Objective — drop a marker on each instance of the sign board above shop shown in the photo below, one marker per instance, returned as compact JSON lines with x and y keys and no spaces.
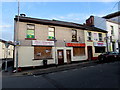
{"x":99,"y":44}
{"x":42,"y":43}
{"x":75,"y":44}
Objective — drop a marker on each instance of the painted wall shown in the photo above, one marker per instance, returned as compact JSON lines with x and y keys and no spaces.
{"x":100,"y":22}
{"x":105,"y":24}
{"x":94,"y":39}
{"x":3,"y":51}
{"x":41,"y":33}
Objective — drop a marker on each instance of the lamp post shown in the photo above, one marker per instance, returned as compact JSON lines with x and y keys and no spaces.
{"x":17,"y":43}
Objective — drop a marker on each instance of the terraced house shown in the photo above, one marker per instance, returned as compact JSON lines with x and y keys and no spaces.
{"x":49,"y":41}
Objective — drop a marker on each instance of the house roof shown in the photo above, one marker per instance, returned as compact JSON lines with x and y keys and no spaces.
{"x":112,"y":21}
{"x":112,"y":15}
{"x":58,"y":23}
{"x":10,"y":42}
{"x":89,"y":28}
{"x":50,"y":22}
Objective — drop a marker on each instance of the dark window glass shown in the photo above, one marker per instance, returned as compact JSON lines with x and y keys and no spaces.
{"x":100,"y":36}
{"x":89,"y":36}
{"x":74,"y":35}
{"x":99,"y":49}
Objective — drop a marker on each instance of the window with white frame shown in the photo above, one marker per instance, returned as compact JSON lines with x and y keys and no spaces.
{"x":74,"y":35}
{"x":30,"y":31}
{"x":100,"y":36}
{"x":89,"y":36}
{"x":51,"y":33}
{"x":112,"y":30}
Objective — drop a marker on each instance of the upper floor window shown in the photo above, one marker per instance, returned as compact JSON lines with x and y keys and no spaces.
{"x":30,"y":31}
{"x":89,"y":36}
{"x":112,"y":30}
{"x":100,"y":36}
{"x":51,"y":33}
{"x":74,"y":35}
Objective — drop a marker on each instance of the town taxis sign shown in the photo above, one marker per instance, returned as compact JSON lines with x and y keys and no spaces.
{"x":75,"y":44}
{"x":42,"y":43}
{"x":99,"y":44}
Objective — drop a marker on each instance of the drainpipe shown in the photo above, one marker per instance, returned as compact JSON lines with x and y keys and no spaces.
{"x":107,"y":43}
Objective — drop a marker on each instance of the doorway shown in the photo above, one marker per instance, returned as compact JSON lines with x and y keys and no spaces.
{"x":60,"y":55}
{"x":89,"y":49}
{"x":68,"y":53}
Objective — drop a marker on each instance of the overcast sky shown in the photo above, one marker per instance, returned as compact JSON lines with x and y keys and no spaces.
{"x":76,"y":12}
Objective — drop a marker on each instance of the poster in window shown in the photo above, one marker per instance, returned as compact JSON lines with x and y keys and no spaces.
{"x":51,"y":35}
{"x":30,"y":34}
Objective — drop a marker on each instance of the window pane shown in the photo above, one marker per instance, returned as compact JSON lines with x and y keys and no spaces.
{"x":99,"y":49}
{"x":30,"y":26}
{"x":30,"y":34}
{"x":51,"y":33}
{"x":51,"y":29}
{"x":74,"y":35}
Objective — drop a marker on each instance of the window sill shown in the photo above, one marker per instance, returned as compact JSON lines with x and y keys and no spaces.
{"x":90,"y":40}
{"x":42,"y":59}
{"x":50,"y":39}
{"x":100,"y":41}
{"x":30,"y":39}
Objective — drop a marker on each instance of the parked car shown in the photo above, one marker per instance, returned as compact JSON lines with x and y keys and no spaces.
{"x":109,"y":56}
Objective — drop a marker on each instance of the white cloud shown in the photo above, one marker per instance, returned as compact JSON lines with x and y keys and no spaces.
{"x":60,"y":0}
{"x":5,"y":26}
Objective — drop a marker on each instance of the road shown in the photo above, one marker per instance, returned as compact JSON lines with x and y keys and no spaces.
{"x":105,"y":75}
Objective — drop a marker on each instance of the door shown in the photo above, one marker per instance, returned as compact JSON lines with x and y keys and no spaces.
{"x":89,"y":48}
{"x":68,"y":53}
{"x":60,"y":57}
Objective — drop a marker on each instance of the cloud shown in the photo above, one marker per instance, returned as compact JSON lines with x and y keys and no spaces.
{"x":72,"y":17}
{"x":60,"y":0}
{"x":5,"y":26}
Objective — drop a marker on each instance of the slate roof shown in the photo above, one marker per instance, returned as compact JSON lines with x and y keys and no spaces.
{"x":112,"y":15}
{"x":57,"y":23}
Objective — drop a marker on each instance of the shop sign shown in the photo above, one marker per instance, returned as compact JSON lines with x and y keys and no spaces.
{"x":75,"y":44}
{"x":99,"y":44}
{"x":43,"y":43}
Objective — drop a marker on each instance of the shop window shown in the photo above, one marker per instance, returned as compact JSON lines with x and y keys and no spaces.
{"x":78,"y":51}
{"x":99,"y":49}
{"x":74,"y":35}
{"x":100,"y":36}
{"x":51,"y":33}
{"x":89,"y":36}
{"x":42,"y":52}
{"x":30,"y":31}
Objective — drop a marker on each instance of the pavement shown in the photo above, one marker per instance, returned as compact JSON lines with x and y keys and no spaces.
{"x":49,"y":69}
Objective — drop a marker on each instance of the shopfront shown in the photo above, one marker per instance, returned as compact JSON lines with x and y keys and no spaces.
{"x":78,"y":51}
{"x":99,"y":47}
{"x":42,"y":49}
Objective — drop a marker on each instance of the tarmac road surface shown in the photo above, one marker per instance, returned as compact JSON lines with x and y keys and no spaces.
{"x":105,"y":75}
